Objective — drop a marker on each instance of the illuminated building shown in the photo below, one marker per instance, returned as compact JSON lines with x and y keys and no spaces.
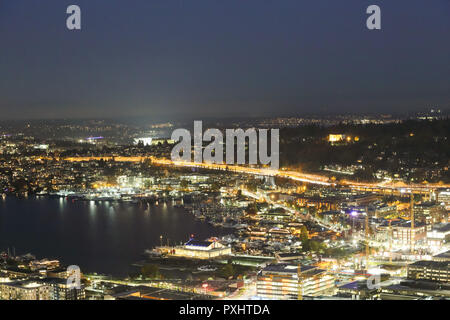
{"x":330,"y":216}
{"x":280,"y":282}
{"x":147,"y":141}
{"x":44,"y":264}
{"x":285,"y":257}
{"x":25,"y":290}
{"x":429,"y":270}
{"x":384,"y":210}
{"x":40,"y":289}
{"x":444,"y":256}
{"x":358,"y":290}
{"x":201,"y":249}
{"x":362,"y":199}
{"x":402,"y":233}
{"x":278,"y":196}
{"x":123,"y":292}
{"x":158,"y":141}
{"x":443,"y":197}
{"x":134,"y":181}
{"x":320,"y":203}
{"x":61,"y":291}
{"x":415,"y":290}
{"x":429,"y":212}
{"x":94,"y":140}
{"x":336,"y":137}
{"x":277,"y":214}
{"x":438,"y":236}
{"x":41,"y":147}
{"x":341,"y":138}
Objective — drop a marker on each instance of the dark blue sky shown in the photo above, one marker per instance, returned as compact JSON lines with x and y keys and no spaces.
{"x":158,"y":58}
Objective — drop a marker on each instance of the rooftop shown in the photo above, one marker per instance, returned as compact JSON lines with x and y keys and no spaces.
{"x":287,"y":268}
{"x":430,"y":264}
{"x":443,"y":256}
{"x":198,"y":243}
{"x":443,"y":227}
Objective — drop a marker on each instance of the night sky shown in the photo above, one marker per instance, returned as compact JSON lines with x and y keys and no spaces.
{"x":172,"y":58}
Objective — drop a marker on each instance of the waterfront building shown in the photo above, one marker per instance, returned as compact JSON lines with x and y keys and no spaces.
{"x":207,"y":249}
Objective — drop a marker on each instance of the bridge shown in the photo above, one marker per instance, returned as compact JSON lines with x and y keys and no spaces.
{"x":397,"y":188}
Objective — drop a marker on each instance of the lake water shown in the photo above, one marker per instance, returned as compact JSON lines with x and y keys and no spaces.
{"x":102,"y":237}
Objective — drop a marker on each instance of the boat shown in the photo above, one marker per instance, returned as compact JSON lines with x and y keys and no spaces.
{"x":152,"y":253}
{"x":207,"y":268}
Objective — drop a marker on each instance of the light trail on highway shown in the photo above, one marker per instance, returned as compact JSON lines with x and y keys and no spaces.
{"x":382,"y":187}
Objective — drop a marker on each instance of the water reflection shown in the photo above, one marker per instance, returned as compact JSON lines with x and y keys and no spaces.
{"x":100,"y":237}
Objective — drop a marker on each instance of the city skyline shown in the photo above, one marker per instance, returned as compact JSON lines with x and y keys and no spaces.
{"x":225,"y":150}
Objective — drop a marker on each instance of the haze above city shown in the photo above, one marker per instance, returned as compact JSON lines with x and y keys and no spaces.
{"x":178,"y":58}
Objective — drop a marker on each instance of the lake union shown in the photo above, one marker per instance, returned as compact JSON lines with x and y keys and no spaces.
{"x":103,"y":237}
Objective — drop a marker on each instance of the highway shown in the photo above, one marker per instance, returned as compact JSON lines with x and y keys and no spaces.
{"x":379,"y":187}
